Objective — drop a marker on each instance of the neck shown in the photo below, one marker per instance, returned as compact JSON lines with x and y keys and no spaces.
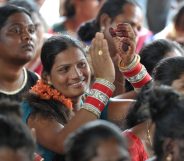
{"x":145,"y":133}
{"x":73,"y":24}
{"x":76,"y":103}
{"x":11,"y":77}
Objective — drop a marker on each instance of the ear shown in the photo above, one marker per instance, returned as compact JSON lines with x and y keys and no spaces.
{"x":105,"y":20}
{"x":45,"y":77}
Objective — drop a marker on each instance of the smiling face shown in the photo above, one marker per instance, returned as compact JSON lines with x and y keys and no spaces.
{"x":17,"y":39}
{"x":70,"y":73}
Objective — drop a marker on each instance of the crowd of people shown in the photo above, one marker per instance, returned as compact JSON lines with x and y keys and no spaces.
{"x":97,"y":86}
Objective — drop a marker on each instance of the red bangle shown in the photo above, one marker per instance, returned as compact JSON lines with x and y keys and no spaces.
{"x":134,"y":71}
{"x":98,"y":96}
{"x":95,"y":102}
{"x":103,"y":89}
{"x":142,"y":82}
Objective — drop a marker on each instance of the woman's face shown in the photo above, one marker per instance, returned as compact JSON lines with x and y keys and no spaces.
{"x":110,"y":150}
{"x":70,"y":73}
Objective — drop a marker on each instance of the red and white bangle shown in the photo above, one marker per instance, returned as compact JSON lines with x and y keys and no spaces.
{"x":98,"y":96}
{"x":138,"y":76}
{"x":140,"y":79}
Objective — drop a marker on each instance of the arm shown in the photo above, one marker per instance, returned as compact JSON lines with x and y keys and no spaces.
{"x":129,"y":62}
{"x":50,"y":133}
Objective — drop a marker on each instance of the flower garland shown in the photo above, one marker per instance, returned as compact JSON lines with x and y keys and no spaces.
{"x":46,"y":92}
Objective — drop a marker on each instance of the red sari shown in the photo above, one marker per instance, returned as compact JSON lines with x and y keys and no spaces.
{"x":136,"y":148}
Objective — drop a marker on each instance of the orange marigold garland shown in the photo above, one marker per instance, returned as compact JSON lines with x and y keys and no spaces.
{"x":44,"y":91}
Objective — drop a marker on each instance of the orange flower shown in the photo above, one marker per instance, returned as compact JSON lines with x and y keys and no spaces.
{"x":46,"y":92}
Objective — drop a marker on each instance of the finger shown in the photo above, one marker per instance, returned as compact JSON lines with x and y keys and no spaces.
{"x":130,"y":43}
{"x":126,"y":34}
{"x":112,"y":32}
{"x":105,"y":48}
{"x":100,"y":38}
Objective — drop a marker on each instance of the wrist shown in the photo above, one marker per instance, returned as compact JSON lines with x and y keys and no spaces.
{"x":136,"y":73}
{"x":129,"y":66}
{"x":98,"y":96}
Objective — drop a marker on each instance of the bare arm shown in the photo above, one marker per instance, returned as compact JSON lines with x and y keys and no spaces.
{"x":50,"y":133}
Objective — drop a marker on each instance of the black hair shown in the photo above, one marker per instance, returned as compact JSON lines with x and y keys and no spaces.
{"x":82,"y":144}
{"x":51,"y":108}
{"x":68,"y":9}
{"x":168,"y":70}
{"x":9,"y":107}
{"x":10,"y":117}
{"x":15,"y":135}
{"x":139,"y":111}
{"x":112,"y":8}
{"x":167,"y":110}
{"x":29,"y":6}
{"x":152,"y":53}
{"x":53,"y":46}
{"x":7,"y":10}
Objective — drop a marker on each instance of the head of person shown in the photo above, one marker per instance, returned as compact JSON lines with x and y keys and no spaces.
{"x":17,"y":35}
{"x":37,"y":19}
{"x":65,"y":66}
{"x":86,"y":9}
{"x":10,"y":108}
{"x":16,"y":141}
{"x":111,"y":14}
{"x":170,"y":72}
{"x":178,"y":26}
{"x":138,"y":111}
{"x":167,"y":110}
{"x":22,"y":148}
{"x":96,"y":141}
{"x":153,"y":52}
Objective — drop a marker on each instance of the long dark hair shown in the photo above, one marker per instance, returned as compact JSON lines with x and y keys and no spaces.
{"x":51,"y":108}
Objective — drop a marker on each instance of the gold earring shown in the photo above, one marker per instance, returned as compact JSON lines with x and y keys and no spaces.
{"x":169,"y":157}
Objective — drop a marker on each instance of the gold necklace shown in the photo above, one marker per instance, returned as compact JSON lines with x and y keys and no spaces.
{"x":148,"y":135}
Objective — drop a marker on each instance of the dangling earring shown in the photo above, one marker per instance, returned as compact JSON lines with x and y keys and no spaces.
{"x":102,"y":29}
{"x":169,"y":157}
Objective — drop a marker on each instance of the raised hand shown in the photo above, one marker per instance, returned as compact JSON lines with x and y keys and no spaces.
{"x":125,"y":41}
{"x":101,"y":61}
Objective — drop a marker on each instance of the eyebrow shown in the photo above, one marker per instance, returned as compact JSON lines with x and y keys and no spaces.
{"x":63,"y":65}
{"x":20,"y":24}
